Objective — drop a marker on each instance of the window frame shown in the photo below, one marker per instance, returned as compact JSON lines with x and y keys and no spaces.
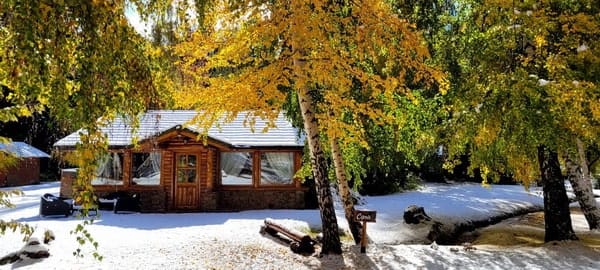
{"x":186,"y":167}
{"x":256,"y":173}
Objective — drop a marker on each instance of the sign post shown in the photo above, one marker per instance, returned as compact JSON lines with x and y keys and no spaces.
{"x":364,"y":216}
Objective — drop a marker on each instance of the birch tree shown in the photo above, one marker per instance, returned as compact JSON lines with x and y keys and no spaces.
{"x":256,"y":55}
{"x":580,"y":177}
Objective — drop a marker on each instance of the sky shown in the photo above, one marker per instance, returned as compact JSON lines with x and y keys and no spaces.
{"x":142,"y":27}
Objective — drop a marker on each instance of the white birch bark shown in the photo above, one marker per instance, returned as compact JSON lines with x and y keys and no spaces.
{"x":581,"y":180}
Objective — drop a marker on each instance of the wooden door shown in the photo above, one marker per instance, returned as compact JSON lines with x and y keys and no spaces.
{"x":187,"y":188}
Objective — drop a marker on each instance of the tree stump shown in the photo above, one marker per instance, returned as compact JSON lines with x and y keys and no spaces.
{"x":415,"y":214}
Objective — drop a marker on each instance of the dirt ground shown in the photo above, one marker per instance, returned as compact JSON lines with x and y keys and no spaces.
{"x":528,"y":230}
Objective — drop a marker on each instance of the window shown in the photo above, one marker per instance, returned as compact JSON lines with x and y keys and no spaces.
{"x":186,"y":168}
{"x":236,"y":168}
{"x":109,"y":170}
{"x":145,"y":168}
{"x":276,"y":168}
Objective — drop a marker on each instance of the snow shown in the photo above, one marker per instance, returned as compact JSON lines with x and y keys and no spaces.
{"x":152,"y":180}
{"x":243,"y":179}
{"x":22,"y":150}
{"x":106,"y":181}
{"x":582,"y":48}
{"x":448,"y":203}
{"x":232,"y":240}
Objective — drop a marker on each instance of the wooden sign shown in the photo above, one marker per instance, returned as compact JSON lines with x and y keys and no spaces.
{"x":364,"y":215}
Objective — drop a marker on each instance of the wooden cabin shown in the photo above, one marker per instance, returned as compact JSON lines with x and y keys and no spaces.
{"x":172,"y":171}
{"x":27,"y":169}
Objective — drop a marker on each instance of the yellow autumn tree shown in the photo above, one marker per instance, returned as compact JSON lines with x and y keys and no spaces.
{"x":78,"y":61}
{"x":526,"y":93}
{"x":338,"y":60}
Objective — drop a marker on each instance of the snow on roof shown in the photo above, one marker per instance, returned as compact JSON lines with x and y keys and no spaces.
{"x":23,"y":150}
{"x":235,"y":133}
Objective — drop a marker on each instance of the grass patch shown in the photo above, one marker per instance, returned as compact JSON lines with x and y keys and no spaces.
{"x":528,"y":230}
{"x":510,"y":236}
{"x":345,"y":236}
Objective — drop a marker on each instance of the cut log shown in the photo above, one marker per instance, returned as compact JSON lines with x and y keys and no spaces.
{"x":10,"y":258}
{"x":300,"y":242}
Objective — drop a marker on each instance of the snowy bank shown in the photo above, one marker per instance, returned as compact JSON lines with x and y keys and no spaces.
{"x":450,"y":204}
{"x":233,"y":241}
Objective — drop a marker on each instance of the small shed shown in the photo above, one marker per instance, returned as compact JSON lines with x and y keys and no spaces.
{"x":27,"y":169}
{"x":235,"y":168}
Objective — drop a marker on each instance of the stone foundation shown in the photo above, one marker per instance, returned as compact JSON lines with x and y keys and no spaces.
{"x":151,"y":200}
{"x":208,"y":201}
{"x":260,"y":199}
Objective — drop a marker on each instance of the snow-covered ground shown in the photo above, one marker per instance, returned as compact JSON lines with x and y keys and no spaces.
{"x":232,"y":240}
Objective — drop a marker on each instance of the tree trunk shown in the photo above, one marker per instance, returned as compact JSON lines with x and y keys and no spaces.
{"x":331,"y":238}
{"x":347,"y":200}
{"x":581,"y":181}
{"x":557,"y":217}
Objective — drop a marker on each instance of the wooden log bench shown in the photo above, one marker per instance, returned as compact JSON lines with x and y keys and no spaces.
{"x":300,"y":242}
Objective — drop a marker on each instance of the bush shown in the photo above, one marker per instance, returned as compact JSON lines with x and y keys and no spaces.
{"x":378,"y":182}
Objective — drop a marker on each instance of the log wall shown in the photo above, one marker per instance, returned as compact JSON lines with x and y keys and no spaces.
{"x":26,"y":172}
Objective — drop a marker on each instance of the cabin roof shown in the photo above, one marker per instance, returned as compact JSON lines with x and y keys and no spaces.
{"x":236,"y":134}
{"x":23,"y":150}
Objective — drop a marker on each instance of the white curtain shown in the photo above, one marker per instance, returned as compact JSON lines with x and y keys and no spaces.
{"x":110,"y":167}
{"x":232,"y":163}
{"x":149,"y":167}
{"x":102,"y":165}
{"x":109,"y":170}
{"x":117,"y":168}
{"x":236,"y":168}
{"x":277,"y":168}
{"x":148,"y":172}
